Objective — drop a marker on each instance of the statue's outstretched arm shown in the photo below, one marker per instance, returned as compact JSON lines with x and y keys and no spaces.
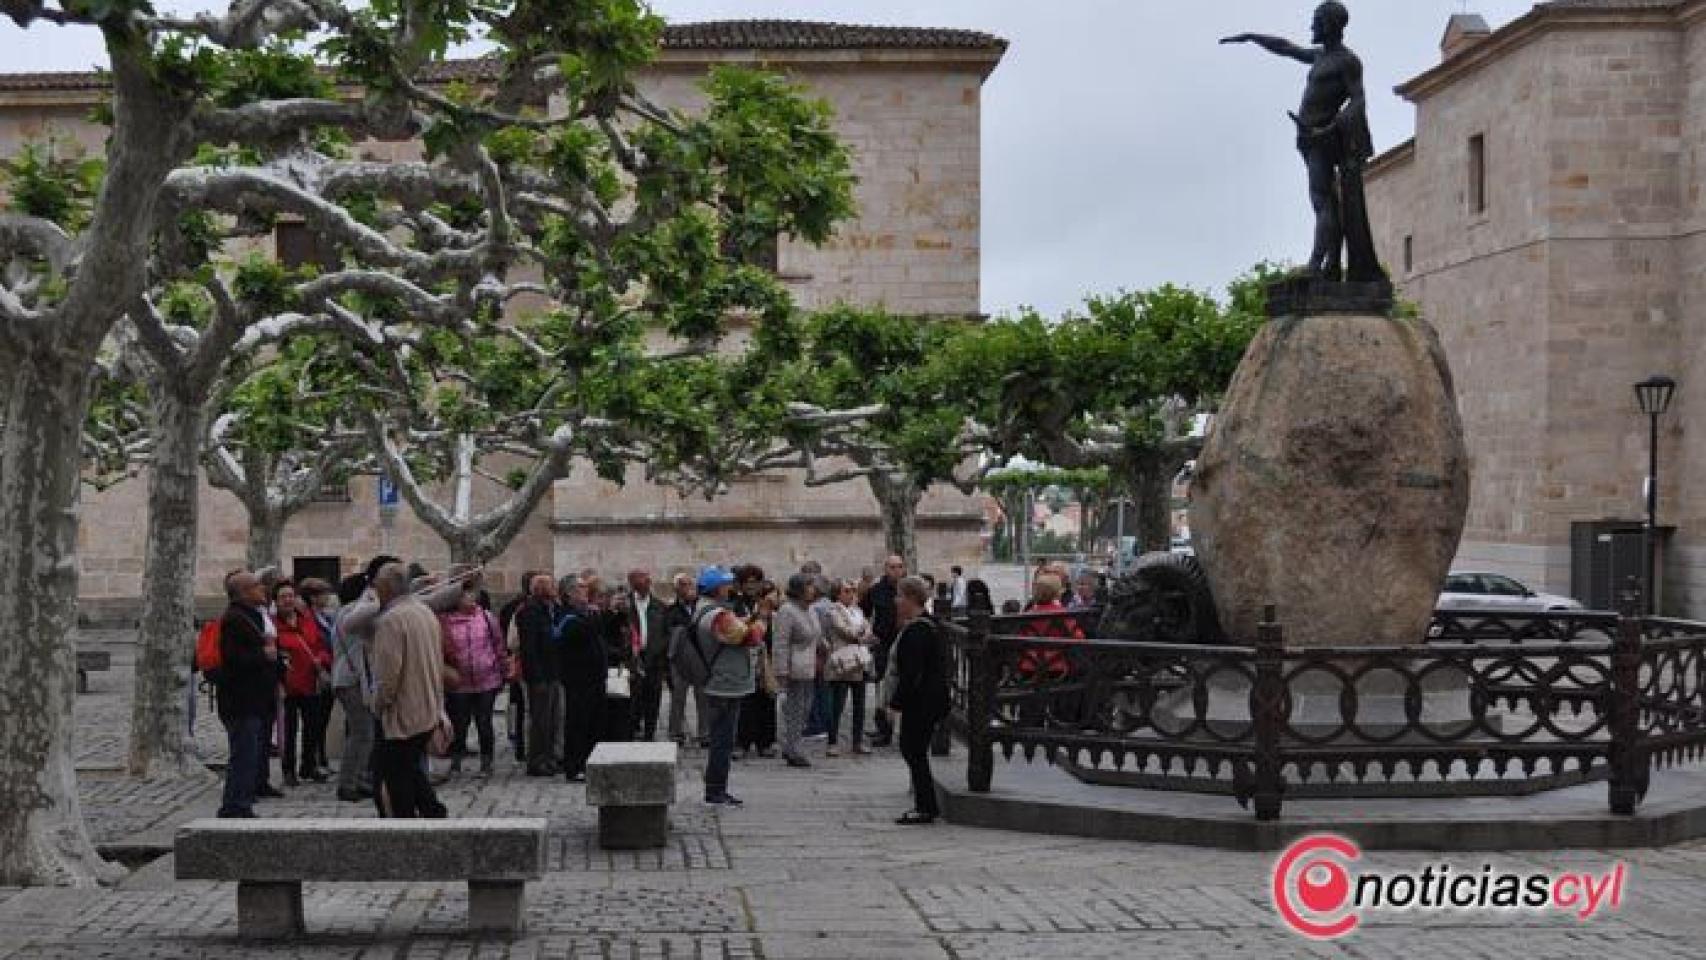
{"x":1276,"y":45}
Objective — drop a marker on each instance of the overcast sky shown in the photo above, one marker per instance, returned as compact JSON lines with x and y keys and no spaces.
{"x":1122,"y":146}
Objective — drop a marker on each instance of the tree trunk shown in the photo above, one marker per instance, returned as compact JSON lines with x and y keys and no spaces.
{"x":897,"y":501}
{"x":1152,"y":489}
{"x":159,"y":744}
{"x":266,"y":538}
{"x":43,"y":840}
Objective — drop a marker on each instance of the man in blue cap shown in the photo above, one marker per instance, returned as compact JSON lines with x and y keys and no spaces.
{"x":726,"y":640}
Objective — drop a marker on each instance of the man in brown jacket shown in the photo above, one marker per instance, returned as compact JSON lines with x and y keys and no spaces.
{"x":407,"y":663}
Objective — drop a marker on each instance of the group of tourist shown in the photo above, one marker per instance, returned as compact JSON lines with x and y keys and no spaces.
{"x":417,"y":661}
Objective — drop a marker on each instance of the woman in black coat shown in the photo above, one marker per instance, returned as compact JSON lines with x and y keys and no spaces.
{"x":920,"y":695}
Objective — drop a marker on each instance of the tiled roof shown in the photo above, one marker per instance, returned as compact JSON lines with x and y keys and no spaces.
{"x":807,"y":35}
{"x":711,"y":35}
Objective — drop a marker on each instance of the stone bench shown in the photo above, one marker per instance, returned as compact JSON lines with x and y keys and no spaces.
{"x":632,"y":785}
{"x":91,"y":661}
{"x":270,"y":859}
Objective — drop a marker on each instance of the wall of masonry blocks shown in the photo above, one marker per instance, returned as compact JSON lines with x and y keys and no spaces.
{"x":1574,"y":285}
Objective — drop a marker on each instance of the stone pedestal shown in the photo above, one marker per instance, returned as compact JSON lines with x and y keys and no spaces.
{"x":496,"y":906}
{"x":1334,"y":483}
{"x":269,"y":911}
{"x":632,"y":785}
{"x":633,"y":828}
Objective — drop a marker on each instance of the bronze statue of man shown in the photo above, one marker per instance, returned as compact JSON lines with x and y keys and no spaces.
{"x":1333,"y":136}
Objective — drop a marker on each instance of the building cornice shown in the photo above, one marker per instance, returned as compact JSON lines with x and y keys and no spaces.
{"x":1396,"y":157}
{"x":1545,"y":19}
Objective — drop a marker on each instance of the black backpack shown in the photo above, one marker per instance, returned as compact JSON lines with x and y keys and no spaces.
{"x":687,"y":654}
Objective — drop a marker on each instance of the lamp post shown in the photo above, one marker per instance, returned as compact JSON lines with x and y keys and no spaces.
{"x":1654,"y":395}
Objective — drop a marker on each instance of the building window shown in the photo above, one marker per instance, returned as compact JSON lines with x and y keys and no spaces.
{"x":333,"y":491}
{"x":1478,"y":174}
{"x":299,"y":246}
{"x":1409,"y":254}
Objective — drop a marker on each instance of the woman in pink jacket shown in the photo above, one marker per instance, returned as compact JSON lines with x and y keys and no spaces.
{"x":478,"y":657}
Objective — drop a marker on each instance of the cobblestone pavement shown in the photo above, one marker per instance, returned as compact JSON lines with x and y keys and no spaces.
{"x":812,"y":867}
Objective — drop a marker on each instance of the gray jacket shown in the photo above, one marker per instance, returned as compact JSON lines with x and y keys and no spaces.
{"x":354,"y":635}
{"x":731,"y":667}
{"x":794,"y":645}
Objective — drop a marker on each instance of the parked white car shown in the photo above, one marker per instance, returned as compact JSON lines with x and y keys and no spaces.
{"x":1474,"y":590}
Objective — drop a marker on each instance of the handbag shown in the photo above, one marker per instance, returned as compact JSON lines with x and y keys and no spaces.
{"x":616,"y":683}
{"x":439,"y":744}
{"x":850,"y":660}
{"x":767,"y":681}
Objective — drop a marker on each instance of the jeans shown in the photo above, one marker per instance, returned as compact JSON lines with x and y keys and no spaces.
{"x":544,"y":725}
{"x":353,"y":772}
{"x":915,"y":737}
{"x":244,"y":734}
{"x":304,"y":715}
{"x":475,"y":708}
{"x":724,"y":714}
{"x":583,"y":724}
{"x":839,"y":692}
{"x":404,"y":791}
{"x":797,"y":702}
{"x":818,"y":722}
{"x":679,"y":693}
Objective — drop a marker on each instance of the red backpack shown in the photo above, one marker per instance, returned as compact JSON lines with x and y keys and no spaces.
{"x":207,"y":656}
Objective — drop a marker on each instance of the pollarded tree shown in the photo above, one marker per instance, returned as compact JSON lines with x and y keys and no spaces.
{"x":1119,"y":385}
{"x":863,"y":402}
{"x":606,"y":196}
{"x":281,"y":435}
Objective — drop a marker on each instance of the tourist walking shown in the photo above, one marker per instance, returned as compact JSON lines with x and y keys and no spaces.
{"x":651,"y":640}
{"x":921,"y":694}
{"x":796,"y":640}
{"x":582,"y":658}
{"x":879,"y":607}
{"x":474,"y":647}
{"x":849,"y":665}
{"x":307,"y":677}
{"x":408,"y":696}
{"x":678,"y":622}
{"x":728,"y":643}
{"x":245,"y":682}
{"x":540,"y":670}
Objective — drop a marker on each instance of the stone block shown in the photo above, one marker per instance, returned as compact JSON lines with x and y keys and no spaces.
{"x":496,"y":907}
{"x":633,"y":828}
{"x":631,"y":774}
{"x":269,"y":911}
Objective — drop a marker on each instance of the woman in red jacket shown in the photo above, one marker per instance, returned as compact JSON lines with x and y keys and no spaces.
{"x":307,"y":678}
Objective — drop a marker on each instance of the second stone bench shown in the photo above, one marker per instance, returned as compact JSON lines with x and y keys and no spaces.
{"x":632,"y":785}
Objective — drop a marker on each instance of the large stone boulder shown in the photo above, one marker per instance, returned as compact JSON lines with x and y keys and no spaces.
{"x":1334,"y":484}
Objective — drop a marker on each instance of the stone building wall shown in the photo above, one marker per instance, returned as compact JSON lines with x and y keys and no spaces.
{"x":911,"y":115}
{"x":1573,"y":286}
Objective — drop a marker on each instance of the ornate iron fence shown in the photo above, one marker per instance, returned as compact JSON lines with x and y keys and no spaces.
{"x":1494,"y":702}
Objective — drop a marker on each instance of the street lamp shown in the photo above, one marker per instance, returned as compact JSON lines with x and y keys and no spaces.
{"x":1654,"y":395}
